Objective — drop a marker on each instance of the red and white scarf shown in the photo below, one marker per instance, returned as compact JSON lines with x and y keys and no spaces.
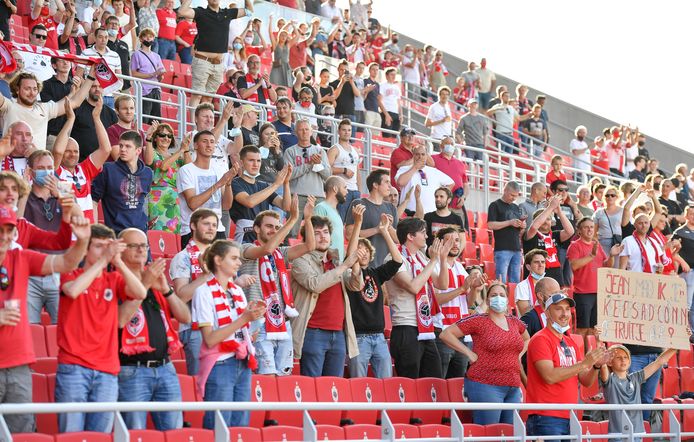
{"x":195,"y":269}
{"x":531,"y":284}
{"x":239,"y":343}
{"x":425,"y":301}
{"x":275,"y":325}
{"x":668,"y":261}
{"x":250,"y":81}
{"x":644,"y":255}
{"x":540,"y":315}
{"x":455,"y":309}
{"x":550,"y":248}
{"x":135,"y":336}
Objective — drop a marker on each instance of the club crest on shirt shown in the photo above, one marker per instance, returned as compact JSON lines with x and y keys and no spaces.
{"x":108,"y":295}
{"x":137,"y":323}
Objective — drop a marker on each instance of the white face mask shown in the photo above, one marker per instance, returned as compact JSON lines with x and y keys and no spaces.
{"x":245,"y":172}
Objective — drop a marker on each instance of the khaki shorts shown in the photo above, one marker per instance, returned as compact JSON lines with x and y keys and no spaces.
{"x":206,"y":76}
{"x":372,"y":119}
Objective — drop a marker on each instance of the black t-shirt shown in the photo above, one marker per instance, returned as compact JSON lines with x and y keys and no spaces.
{"x":250,"y":137}
{"x":5,"y":14}
{"x":83,"y":130}
{"x":325,"y":90}
{"x":507,"y":238}
{"x":673,"y":208}
{"x":238,"y":211}
{"x":628,"y":230}
{"x":536,"y":243}
{"x":55,"y":90}
{"x":637,"y":175}
{"x":367,"y":305}
{"x":344,"y":101}
{"x":436,"y":223}
{"x":216,"y":25}
{"x":686,"y":235}
{"x":371,"y":99}
{"x":241,"y":83}
{"x":157,"y":334}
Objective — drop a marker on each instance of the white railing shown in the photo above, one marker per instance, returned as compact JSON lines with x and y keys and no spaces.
{"x":221,"y":432}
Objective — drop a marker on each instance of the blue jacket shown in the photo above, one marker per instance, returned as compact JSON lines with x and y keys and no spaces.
{"x":122,"y":194}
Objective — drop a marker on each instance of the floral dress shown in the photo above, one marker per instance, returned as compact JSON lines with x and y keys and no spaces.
{"x":164,"y":204}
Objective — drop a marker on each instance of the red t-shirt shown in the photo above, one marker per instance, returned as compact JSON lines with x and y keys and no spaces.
{"x":455,"y":169}
{"x":15,"y":341}
{"x":329,"y":313}
{"x":187,"y":31}
{"x":114,"y":132}
{"x":586,"y":278}
{"x":552,"y":177}
{"x":545,"y":345}
{"x":52,"y":27}
{"x":497,"y":350}
{"x":167,"y":23}
{"x":88,"y":324}
{"x":297,"y":55}
{"x":396,"y":157}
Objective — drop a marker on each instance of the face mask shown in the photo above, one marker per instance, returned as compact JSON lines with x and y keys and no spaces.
{"x":264,"y":152}
{"x":245,"y":172}
{"x":559,"y":329}
{"x":45,"y":11}
{"x":449,"y":149}
{"x":498,"y":303}
{"x":113,"y":32}
{"x":238,"y":46}
{"x":248,"y":40}
{"x":537,"y":276}
{"x":146,"y":43}
{"x":40,"y":176}
{"x":409,"y":54}
{"x":305,"y":104}
{"x":642,"y":143}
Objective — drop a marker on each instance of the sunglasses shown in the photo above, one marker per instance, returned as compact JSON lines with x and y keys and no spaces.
{"x":4,"y":278}
{"x":76,"y":182}
{"x":567,"y":350}
{"x":48,"y":213}
{"x":162,"y":135}
{"x":610,"y":195}
{"x":351,"y":158}
{"x":41,"y":36}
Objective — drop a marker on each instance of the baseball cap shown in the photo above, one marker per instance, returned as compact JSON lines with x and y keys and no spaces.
{"x":407,"y":131}
{"x":620,"y":347}
{"x":557,"y":298}
{"x":7,"y":216}
{"x":248,"y":108}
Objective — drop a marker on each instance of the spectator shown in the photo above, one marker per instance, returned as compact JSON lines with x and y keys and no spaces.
{"x":437,"y":73}
{"x":147,"y":17}
{"x":148,"y":340}
{"x":541,"y":99}
{"x":283,"y":123}
{"x":186,"y":32}
{"x":252,"y":196}
{"x":271,"y":154}
{"x":201,"y":184}
{"x":568,"y":208}
{"x":84,"y":129}
{"x":345,"y":91}
{"x":495,"y":375}
{"x":598,"y":192}
{"x":15,"y":331}
{"x":112,"y":59}
{"x":166,"y":37}
{"x":583,"y":195}
{"x":7,"y":8}
{"x":335,"y":194}
{"x":616,"y":148}
{"x":14,"y":156}
{"x":58,"y":87}
{"x":439,"y":115}
{"x":228,"y":88}
{"x":442,"y":217}
{"x":281,"y":45}
{"x":391,"y":92}
{"x":367,"y":305}
{"x":237,"y":57}
{"x":637,"y":174}
{"x":210,"y":45}
{"x":497,"y":99}
{"x":675,"y":216}
{"x":641,"y":142}
{"x":186,"y":273}
{"x":536,"y":201}
{"x":299,"y":44}
{"x":223,"y":148}
{"x":25,"y":89}
{"x":126,"y":21}
{"x":326,"y":92}
{"x":535,"y":261}
{"x":599,"y":156}
{"x":412,"y":70}
{"x":165,"y":159}
{"x":310,"y":168}
{"x":267,"y":258}
{"x":323,"y":333}
{"x":305,"y":108}
{"x":303,"y":78}
{"x":359,"y":107}
{"x":652,"y":168}
{"x":472,"y":80}
{"x":147,"y":64}
{"x":473,"y":129}
{"x":329,"y":10}
{"x":506,"y":117}
{"x":344,"y":162}
{"x":413,"y":306}
{"x":685,"y":234}
{"x":325,"y":127}
{"x":555,"y":367}
{"x":456,"y":170}
{"x":580,"y":150}
{"x":426,"y":177}
{"x":608,"y":221}
{"x":536,"y":319}
{"x":254,"y":86}
{"x":373,"y":100}
{"x":123,"y":186}
{"x":72,"y":38}
{"x":48,"y":17}
{"x":223,"y":314}
{"x":641,"y":253}
{"x":125,"y":111}
{"x":535,"y":129}
{"x":249,"y":121}
{"x":506,"y":221}
{"x":88,"y":322}
{"x":557,"y":172}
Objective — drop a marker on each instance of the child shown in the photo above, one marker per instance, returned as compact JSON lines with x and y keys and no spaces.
{"x":622,"y":387}
{"x":556,"y":173}
{"x":305,"y":107}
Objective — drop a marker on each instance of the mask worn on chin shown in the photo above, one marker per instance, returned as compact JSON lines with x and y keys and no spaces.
{"x":113,"y":32}
{"x":537,"y":276}
{"x":245,"y":172}
{"x":559,"y":329}
{"x":147,"y":43}
{"x":498,"y":303}
{"x":305,"y":104}
{"x":264,"y":152}
{"x":41,"y":176}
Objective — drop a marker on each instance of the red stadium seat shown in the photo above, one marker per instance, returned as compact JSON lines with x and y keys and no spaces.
{"x":456,"y":390}
{"x":280,"y":433}
{"x":51,"y":336}
{"x":686,"y":358}
{"x":163,"y":244}
{"x":578,"y":339}
{"x":688,"y":418}
{"x":331,"y":389}
{"x":474,"y":430}
{"x":399,"y":389}
{"x":470,"y":251}
{"x":431,"y":390}
{"x":511,"y":289}
{"x":244,"y":434}
{"x":32,"y":437}
{"x":672,"y":362}
{"x":84,"y":436}
{"x":470,"y":218}
{"x":146,"y":436}
{"x":434,"y":431}
{"x":189,"y":394}
{"x":45,"y":365}
{"x":405,"y":431}
{"x":502,"y":430}
{"x":389,"y":324}
{"x":489,"y":269}
{"x":43,"y":390}
{"x":482,"y":220}
{"x":482,"y":236}
{"x":330,"y":432}
{"x":589,"y":427}
{"x":38,"y":337}
{"x":189,"y":435}
{"x":362,"y":432}
{"x":45,"y":318}
{"x":366,"y":390}
{"x":293,"y":389}
{"x":687,"y":379}
{"x":486,"y":252}
{"x":671,"y":382}
{"x":180,"y":366}
{"x":263,"y":389}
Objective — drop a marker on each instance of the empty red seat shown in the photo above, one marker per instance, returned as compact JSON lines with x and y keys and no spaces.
{"x":405,"y":431}
{"x":362,"y":432}
{"x":688,"y":418}
{"x":45,"y":365}
{"x":474,"y":430}
{"x":45,"y":423}
{"x":470,"y":218}
{"x":165,"y":244}
{"x":32,"y":437}
{"x":434,"y":431}
{"x":431,"y":390}
{"x":263,"y":389}
{"x":482,"y":236}
{"x":470,"y":251}
{"x":687,"y":379}
{"x":38,"y":337}
{"x":591,"y":428}
{"x":180,"y":366}
{"x":482,"y":220}
{"x":489,"y":269}
{"x":486,"y":252}
{"x":51,"y":337}
{"x":365,"y":390}
{"x":330,"y":432}
{"x":244,"y":434}
{"x":189,"y":394}
{"x":84,"y":436}
{"x":146,"y":436}
{"x":189,"y":435}
{"x":331,"y":389}
{"x":501,"y":430}
{"x":671,"y":382}
{"x":456,"y":393}
{"x":293,"y":389}
{"x":686,"y":358}
{"x":280,"y":433}
{"x":398,"y":389}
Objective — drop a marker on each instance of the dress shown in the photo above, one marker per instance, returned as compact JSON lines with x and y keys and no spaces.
{"x":281,"y":72}
{"x":164,"y":207}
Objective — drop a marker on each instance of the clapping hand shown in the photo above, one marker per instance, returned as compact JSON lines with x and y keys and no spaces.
{"x":310,"y":205}
{"x":358,"y":213}
{"x":153,"y":272}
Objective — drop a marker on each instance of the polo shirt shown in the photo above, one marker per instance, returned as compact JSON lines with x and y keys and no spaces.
{"x":216,"y":26}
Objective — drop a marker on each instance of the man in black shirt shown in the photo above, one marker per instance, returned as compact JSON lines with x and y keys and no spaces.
{"x":504,"y":219}
{"x":345,"y":91}
{"x":119,"y":47}
{"x":638,"y":173}
{"x":367,"y":305}
{"x":442,"y":217}
{"x":686,"y":236}
{"x":569,"y":207}
{"x":7,"y":8}
{"x":675,"y":217}
{"x":373,"y":102}
{"x":58,"y":87}
{"x":211,"y":44}
{"x":83,"y":130}
{"x":146,"y":342}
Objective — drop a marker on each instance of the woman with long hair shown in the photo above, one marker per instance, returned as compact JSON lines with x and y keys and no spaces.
{"x":608,"y":220}
{"x":271,"y":157}
{"x":281,"y":73}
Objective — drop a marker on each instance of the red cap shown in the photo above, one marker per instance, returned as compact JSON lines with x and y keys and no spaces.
{"x":7,"y":216}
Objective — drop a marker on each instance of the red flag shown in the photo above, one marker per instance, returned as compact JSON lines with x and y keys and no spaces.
{"x":7,"y":62}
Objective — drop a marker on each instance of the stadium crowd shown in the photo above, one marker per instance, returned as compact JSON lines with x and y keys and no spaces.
{"x":319,"y":250}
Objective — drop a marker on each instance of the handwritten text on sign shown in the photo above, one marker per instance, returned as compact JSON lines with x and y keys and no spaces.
{"x":642,"y":308}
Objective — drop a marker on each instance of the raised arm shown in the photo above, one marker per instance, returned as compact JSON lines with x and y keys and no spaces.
{"x":185,"y":11}
{"x":63,"y":137}
{"x":256,"y":252}
{"x":70,"y":259}
{"x":102,"y":154}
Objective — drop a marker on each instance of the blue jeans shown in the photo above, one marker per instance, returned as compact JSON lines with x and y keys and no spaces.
{"x":74,"y":383}
{"x":191,"y":340}
{"x":689,"y":279}
{"x":648,"y":388}
{"x":142,"y":384}
{"x":479,"y":392}
{"x":166,"y":49}
{"x":507,"y":143}
{"x":344,"y":207}
{"x":473,"y":154}
{"x":274,"y":357}
{"x":229,"y":381}
{"x":539,"y":425}
{"x":484,"y":99}
{"x":508,"y":265}
{"x":186,"y":55}
{"x":372,"y":348}
{"x":323,"y":353}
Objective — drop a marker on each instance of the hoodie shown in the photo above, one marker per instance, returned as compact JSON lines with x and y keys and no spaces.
{"x":122,"y":194}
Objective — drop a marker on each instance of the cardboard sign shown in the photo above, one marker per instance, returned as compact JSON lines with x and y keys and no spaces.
{"x":643,"y":309}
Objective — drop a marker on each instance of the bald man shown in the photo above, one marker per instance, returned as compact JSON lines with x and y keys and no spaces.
{"x":535,"y":318}
{"x":14,"y":156}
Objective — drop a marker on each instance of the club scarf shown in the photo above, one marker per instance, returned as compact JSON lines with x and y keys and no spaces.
{"x":644,"y":256}
{"x":531,"y":285}
{"x":668,"y":262}
{"x":540,"y":315}
{"x":455,"y":309}
{"x":268,"y":265}
{"x":250,"y":81}
{"x":135,"y":337}
{"x":195,"y":269}
{"x":550,"y":248}
{"x":425,"y":302}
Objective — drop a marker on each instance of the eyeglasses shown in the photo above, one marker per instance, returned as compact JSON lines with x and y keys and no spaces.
{"x":328,"y":115}
{"x":4,"y":278}
{"x":562,"y":189}
{"x":610,"y":195}
{"x":169,"y":136}
{"x":47,"y":211}
{"x":41,"y":36}
{"x":567,"y":350}
{"x":351,"y":158}
{"x":75,"y":180}
{"x":137,"y":246}
{"x":305,"y":154}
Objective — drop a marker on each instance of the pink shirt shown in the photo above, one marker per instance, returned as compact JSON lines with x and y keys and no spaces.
{"x":455,"y":169}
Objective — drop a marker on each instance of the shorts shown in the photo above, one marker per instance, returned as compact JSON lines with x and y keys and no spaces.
{"x":206,"y":76}
{"x":586,"y":309}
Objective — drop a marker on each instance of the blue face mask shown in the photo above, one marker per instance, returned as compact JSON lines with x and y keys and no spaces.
{"x":559,"y":329}
{"x":238,"y":46}
{"x":498,"y":303}
{"x":40,"y":176}
{"x":264,"y":152}
{"x":537,"y":276}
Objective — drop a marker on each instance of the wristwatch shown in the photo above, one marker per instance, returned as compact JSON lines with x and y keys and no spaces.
{"x":169,"y":293}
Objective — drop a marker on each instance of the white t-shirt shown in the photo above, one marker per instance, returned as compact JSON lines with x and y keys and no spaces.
{"x":38,"y":64}
{"x":36,"y":117}
{"x":631,"y":153}
{"x":430,"y":179}
{"x":615,"y":156}
{"x":505,"y":116}
{"x":391,"y":93}
{"x":402,"y":302}
{"x":410,"y":75}
{"x":437,"y":112}
{"x":330,"y":11}
{"x":523,"y":292}
{"x":220,"y":157}
{"x":584,"y":163}
{"x":191,"y":176}
{"x":633,"y":251}
{"x":486,"y":77}
{"x":113,"y":61}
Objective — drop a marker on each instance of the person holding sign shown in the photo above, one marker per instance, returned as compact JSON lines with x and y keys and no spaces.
{"x":641,"y":253}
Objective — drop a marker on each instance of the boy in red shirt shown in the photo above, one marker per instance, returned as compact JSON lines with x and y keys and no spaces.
{"x":166,"y":40}
{"x":88,"y":319}
{"x":15,"y":334}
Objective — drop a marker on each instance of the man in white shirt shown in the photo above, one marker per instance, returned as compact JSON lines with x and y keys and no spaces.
{"x":579,"y":149}
{"x":411,"y":67}
{"x":641,"y":253}
{"x":505,"y":116}
{"x":38,"y":64}
{"x":419,"y":174}
{"x":439,"y":115}
{"x":330,"y":10}
{"x":101,"y":50}
{"x":487,"y":82}
{"x":390,"y":97}
{"x":526,"y":298}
